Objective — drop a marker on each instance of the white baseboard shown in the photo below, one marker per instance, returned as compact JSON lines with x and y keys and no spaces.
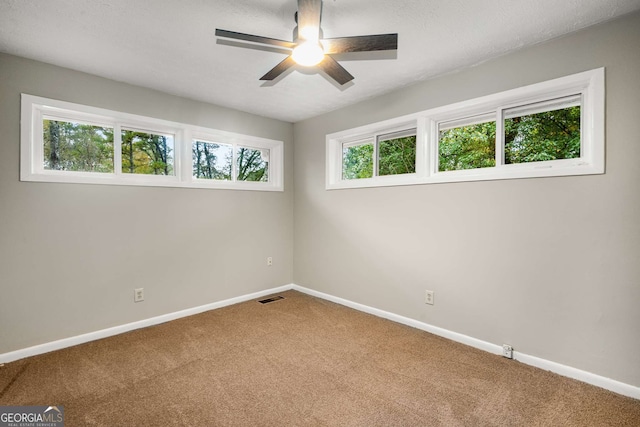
{"x":104,"y":333}
{"x":580,"y":375}
{"x":454,"y":336}
{"x":564,"y":370}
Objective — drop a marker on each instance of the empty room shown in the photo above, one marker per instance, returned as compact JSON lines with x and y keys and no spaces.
{"x":319,"y":213}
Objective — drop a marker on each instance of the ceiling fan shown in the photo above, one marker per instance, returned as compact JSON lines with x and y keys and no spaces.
{"x":309,"y":49}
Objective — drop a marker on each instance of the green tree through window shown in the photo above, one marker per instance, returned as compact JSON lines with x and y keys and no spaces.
{"x":467,"y":147}
{"x":70,"y":146}
{"x":212,"y":160}
{"x":357,"y":161}
{"x":146,"y":153}
{"x":397,"y":156}
{"x":253,"y":165}
{"x":550,"y":135}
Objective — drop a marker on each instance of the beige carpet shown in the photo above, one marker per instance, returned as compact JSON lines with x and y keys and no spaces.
{"x":295,"y":362}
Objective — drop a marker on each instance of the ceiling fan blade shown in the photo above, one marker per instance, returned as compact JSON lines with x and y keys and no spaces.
{"x":360,"y":43}
{"x":335,"y":70}
{"x":309,"y":13}
{"x":279,"y":69}
{"x":254,"y":39}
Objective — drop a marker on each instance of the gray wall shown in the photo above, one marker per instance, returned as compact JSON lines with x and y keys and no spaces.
{"x":71,"y":254}
{"x":547,"y":265}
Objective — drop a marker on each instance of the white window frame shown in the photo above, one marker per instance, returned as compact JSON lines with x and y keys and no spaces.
{"x":34,"y":109}
{"x":589,"y":85}
{"x":370,"y":135}
{"x":235,"y":141}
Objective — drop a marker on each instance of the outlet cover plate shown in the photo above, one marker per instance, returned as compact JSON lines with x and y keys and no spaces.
{"x":507,"y":351}
{"x":428,"y":297}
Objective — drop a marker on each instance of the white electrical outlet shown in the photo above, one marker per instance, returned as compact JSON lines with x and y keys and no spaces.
{"x":507,"y":351}
{"x":269,"y":261}
{"x":428,"y":297}
{"x":138,"y":295}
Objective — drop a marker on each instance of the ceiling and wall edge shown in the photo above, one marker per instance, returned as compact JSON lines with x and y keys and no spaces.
{"x":408,"y":104}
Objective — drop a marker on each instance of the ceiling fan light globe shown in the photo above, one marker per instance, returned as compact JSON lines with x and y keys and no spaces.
{"x":308,"y":54}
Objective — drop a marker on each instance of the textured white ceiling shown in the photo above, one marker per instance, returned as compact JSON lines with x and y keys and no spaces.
{"x":169,"y":45}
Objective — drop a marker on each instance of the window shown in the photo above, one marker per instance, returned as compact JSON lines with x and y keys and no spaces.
{"x":146,"y":152}
{"x":65,"y":142}
{"x":252,"y":164}
{"x":467,"y":144}
{"x":76,"y":146}
{"x":212,"y":160}
{"x":381,"y":155}
{"x":554,"y":128}
{"x":543,"y":131}
{"x":357,"y":160}
{"x":397,"y":153}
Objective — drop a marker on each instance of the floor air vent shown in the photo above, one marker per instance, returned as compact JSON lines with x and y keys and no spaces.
{"x":272,"y":299}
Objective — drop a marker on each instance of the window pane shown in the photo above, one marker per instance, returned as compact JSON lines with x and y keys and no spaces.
{"x":72,"y":146}
{"x":253,"y":165}
{"x":540,"y":136}
{"x":212,"y":160}
{"x":147,"y":153}
{"x":471,"y":146}
{"x":396,"y":155}
{"x":357,"y":161}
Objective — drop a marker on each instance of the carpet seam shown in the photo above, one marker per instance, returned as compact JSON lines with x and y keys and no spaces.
{"x":13,"y":380}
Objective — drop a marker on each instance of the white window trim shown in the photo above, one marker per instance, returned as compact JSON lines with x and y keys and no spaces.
{"x":33,"y":108}
{"x":588,"y":84}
